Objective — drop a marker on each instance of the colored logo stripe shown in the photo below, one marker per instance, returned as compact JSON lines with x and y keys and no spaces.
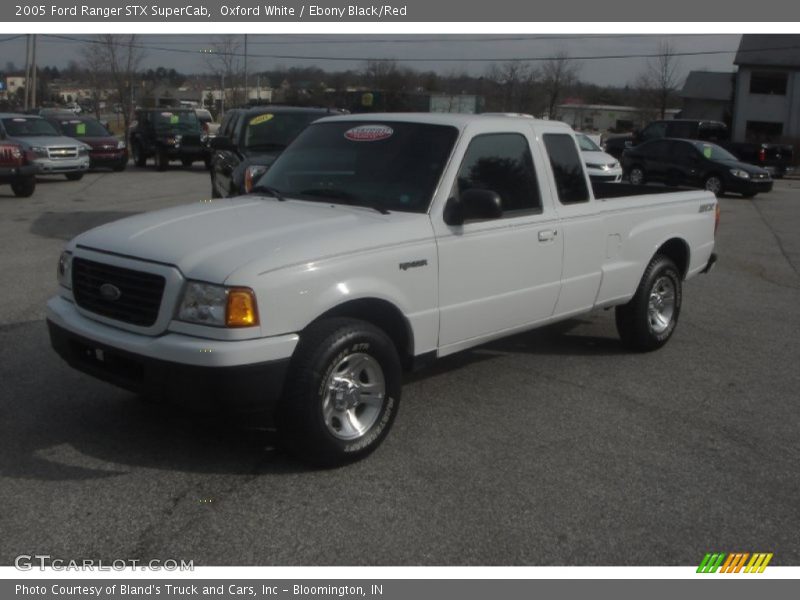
{"x":734,"y":562}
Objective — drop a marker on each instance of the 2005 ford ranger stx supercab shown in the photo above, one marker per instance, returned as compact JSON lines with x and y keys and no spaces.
{"x":373,"y":244}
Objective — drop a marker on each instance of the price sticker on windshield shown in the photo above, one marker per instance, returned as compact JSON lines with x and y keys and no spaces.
{"x":369,"y":133}
{"x":707,"y":151}
{"x":174,"y":119}
{"x":261,"y":119}
{"x":80,"y":129}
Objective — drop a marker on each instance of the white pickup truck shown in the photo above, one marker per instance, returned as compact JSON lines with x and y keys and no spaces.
{"x":374,"y":244}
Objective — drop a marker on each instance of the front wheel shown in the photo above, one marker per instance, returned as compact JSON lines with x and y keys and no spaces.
{"x":637,"y":176}
{"x":139,"y":158}
{"x":343,"y":392}
{"x":24,"y":187}
{"x":186,"y":162}
{"x":647,"y":322}
{"x":713,"y":184}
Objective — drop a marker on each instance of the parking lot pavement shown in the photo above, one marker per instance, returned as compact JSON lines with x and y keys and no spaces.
{"x":551,"y":447}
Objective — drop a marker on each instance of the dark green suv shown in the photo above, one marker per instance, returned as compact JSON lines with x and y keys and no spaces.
{"x":167,"y":134}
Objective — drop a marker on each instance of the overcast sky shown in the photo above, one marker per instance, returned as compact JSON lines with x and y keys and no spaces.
{"x":182,"y":52}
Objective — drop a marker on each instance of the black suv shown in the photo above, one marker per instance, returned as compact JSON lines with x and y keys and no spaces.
{"x":167,"y":134}
{"x":250,"y":139}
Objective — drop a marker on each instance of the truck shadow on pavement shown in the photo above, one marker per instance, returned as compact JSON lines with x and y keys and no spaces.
{"x":61,"y":425}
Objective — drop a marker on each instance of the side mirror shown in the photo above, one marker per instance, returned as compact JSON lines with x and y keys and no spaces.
{"x":474,"y":204}
{"x":220,"y":142}
{"x":107,"y":125}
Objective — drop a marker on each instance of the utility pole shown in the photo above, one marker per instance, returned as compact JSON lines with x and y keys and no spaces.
{"x":27,"y":70}
{"x":33,"y":73}
{"x":246,"y":90}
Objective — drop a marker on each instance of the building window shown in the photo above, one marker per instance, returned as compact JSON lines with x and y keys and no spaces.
{"x":768,"y":82}
{"x":763,"y":131}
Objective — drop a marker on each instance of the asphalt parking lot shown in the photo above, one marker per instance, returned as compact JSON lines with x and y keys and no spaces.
{"x":554,"y":447}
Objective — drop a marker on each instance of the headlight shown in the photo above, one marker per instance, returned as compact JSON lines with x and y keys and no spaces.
{"x":217,"y":305}
{"x":64,"y":271}
{"x":84,"y":151}
{"x":613,"y":165}
{"x":121,"y":145}
{"x":740,"y":173}
{"x":251,"y":175}
{"x":40,"y":151}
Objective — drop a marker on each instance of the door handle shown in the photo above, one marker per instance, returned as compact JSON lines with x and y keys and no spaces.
{"x":547,"y":235}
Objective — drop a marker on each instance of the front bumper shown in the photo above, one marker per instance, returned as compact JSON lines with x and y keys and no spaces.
{"x":233,"y":376}
{"x":108,"y":159}
{"x":749,"y":186}
{"x":64,"y":165}
{"x":11,"y":173}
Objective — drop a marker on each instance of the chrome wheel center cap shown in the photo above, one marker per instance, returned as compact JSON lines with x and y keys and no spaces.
{"x":345,"y":393}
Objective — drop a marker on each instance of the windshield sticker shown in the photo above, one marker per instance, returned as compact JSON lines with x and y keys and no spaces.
{"x":707,"y":151}
{"x":174,"y":119}
{"x":261,"y":119}
{"x":80,"y":129}
{"x":368,"y":133}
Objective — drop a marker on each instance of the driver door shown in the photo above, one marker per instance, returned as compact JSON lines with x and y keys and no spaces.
{"x":498,"y":274}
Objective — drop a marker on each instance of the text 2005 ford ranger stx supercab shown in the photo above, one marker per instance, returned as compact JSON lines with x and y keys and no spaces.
{"x":373,"y":244}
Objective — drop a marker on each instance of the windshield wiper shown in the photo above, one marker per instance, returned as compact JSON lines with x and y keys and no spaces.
{"x":344,"y":197}
{"x":268,"y":189}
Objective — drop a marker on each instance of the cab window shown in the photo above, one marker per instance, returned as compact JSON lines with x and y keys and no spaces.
{"x":502,"y":162}
{"x":567,"y":168}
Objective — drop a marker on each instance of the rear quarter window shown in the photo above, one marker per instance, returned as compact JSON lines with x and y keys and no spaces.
{"x":567,"y":168}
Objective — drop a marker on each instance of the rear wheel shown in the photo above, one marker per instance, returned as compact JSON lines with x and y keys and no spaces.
{"x":24,"y":187}
{"x":637,"y":176}
{"x":713,"y":184}
{"x":186,"y":162}
{"x":647,"y":322}
{"x":162,"y":160}
{"x":139,"y":159}
{"x":73,"y":176}
{"x":342,"y":395}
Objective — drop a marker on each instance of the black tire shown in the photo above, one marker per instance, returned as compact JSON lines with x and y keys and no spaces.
{"x":73,"y":176}
{"x":24,"y":187}
{"x":309,"y":424}
{"x":187,"y":162}
{"x":713,"y":183}
{"x":637,"y":176}
{"x":162,"y":160}
{"x":639,"y":327}
{"x":139,"y":159}
{"x":120,"y":166}
{"x":207,"y":163}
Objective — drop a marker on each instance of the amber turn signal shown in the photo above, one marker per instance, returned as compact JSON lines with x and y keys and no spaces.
{"x":241,"y":310}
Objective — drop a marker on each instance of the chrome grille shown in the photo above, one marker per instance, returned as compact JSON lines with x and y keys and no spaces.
{"x":62,"y":152}
{"x":139,"y":293}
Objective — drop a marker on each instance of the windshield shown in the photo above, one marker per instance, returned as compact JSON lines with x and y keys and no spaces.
{"x":181,"y":122}
{"x":714,"y":152}
{"x":79,"y":128}
{"x":27,"y":127}
{"x":387,"y":165}
{"x":275,"y":131}
{"x":586,"y":144}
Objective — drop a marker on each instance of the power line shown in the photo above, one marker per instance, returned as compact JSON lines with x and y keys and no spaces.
{"x":591,"y":57}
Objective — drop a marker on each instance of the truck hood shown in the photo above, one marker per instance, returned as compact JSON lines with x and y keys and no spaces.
{"x":211,"y":241}
{"x":47,"y":141}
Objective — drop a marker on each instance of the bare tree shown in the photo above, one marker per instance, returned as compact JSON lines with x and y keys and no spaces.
{"x":559,"y":74}
{"x":659,"y":82}
{"x":225,"y":60}
{"x":116,"y":60}
{"x":516,"y":82}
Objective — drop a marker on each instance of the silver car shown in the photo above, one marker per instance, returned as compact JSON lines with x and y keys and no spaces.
{"x":53,"y":152}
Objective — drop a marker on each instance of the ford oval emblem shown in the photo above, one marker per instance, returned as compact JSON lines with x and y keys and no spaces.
{"x":110,"y":292}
